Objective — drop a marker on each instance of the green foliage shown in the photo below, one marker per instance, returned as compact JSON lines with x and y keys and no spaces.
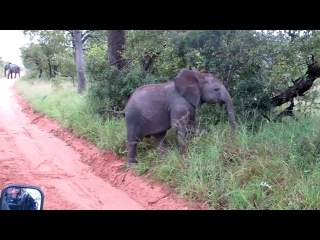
{"x":67,"y":65}
{"x":46,"y":55}
{"x":223,"y":52}
{"x":108,"y":86}
{"x":259,"y":62}
{"x":251,"y":91}
{"x":97,"y":38}
{"x":2,"y":63}
{"x":32,"y":57}
{"x":141,"y":44}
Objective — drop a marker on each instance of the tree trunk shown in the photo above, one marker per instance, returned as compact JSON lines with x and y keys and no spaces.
{"x":39,"y":66}
{"x":79,"y":60}
{"x":49,"y":70}
{"x":116,"y":45}
{"x":55,"y":70}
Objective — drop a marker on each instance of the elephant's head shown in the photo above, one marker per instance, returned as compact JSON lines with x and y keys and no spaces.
{"x":197,"y":88}
{"x":6,"y":67}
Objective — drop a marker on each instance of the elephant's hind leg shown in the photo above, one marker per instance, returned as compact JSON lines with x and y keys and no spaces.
{"x":160,"y":141}
{"x":133,"y":138}
{"x":132,"y":151}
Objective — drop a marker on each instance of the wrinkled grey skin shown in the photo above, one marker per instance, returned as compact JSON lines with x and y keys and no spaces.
{"x":12,"y":68}
{"x":154,"y":108}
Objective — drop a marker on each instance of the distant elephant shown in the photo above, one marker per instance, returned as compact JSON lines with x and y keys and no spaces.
{"x":154,"y":108}
{"x":12,"y":68}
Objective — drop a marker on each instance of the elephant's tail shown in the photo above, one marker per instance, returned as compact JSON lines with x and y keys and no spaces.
{"x":109,"y":110}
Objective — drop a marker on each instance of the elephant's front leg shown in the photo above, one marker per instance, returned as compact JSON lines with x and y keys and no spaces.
{"x":183,"y":127}
{"x":191,"y":126}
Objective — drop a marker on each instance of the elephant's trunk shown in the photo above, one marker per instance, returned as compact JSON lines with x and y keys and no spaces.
{"x":230,"y":111}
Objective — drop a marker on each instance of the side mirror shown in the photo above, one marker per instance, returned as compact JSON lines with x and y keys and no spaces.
{"x":21,"y":197}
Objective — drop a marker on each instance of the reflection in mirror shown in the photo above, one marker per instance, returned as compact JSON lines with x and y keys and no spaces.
{"x":22,"y":198}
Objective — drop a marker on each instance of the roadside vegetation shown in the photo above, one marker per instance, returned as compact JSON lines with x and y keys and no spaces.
{"x":271,"y":162}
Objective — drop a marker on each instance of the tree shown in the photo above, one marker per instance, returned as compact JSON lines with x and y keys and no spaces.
{"x":51,"y":43}
{"x":1,"y":63}
{"x":116,"y":45}
{"x":300,"y":86}
{"x":78,"y":41}
{"x":32,"y":58}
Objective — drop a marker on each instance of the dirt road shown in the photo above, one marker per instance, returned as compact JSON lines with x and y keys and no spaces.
{"x":72,"y":173}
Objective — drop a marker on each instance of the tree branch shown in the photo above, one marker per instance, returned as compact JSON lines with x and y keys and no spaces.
{"x":292,"y":34}
{"x":301,"y":85}
{"x":287,"y":112}
{"x":85,"y":36}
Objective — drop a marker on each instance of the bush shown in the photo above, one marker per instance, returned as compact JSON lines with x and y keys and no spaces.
{"x":109,"y":87}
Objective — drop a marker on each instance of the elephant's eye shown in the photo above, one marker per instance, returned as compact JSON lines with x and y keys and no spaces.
{"x":216,"y":89}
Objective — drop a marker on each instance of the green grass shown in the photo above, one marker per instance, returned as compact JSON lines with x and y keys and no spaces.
{"x":65,"y":105}
{"x":277,"y":167}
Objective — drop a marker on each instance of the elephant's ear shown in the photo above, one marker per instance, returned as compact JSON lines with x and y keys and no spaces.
{"x":187,"y":85}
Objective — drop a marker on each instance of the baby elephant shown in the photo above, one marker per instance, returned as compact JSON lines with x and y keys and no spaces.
{"x":154,"y":108}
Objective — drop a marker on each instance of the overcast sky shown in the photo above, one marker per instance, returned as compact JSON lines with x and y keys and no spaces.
{"x":10,"y":42}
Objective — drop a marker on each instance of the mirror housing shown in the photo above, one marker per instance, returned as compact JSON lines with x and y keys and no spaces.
{"x":21,"y":197}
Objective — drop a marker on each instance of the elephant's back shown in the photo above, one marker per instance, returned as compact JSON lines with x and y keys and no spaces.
{"x":154,"y":87}
{"x":14,"y":67}
{"x":149,"y":94}
{"x":149,"y":101}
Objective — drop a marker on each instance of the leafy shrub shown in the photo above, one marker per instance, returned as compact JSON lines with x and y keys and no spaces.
{"x":109,"y":87}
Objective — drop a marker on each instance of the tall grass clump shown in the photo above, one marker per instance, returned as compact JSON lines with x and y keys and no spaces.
{"x":249,"y":170}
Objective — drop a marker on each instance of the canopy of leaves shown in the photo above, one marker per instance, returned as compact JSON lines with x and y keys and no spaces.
{"x":109,"y":86}
{"x":2,"y":63}
{"x":49,"y":54}
{"x":254,"y":65}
